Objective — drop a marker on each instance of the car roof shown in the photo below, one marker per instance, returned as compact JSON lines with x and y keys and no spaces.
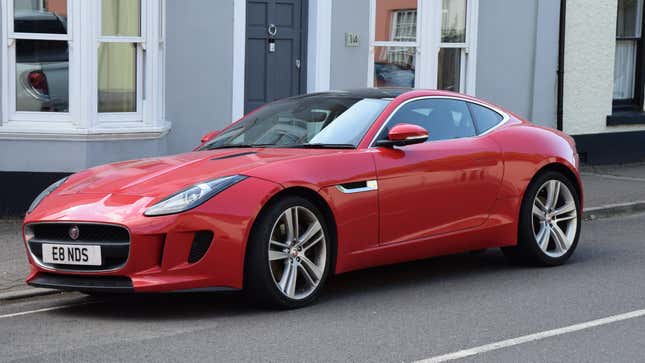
{"x":375,"y":93}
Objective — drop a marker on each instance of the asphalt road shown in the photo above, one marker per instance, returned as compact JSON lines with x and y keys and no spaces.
{"x":398,"y":313}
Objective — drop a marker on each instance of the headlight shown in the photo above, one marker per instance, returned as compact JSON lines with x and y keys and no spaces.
{"x":193,"y":196}
{"x":44,"y":194}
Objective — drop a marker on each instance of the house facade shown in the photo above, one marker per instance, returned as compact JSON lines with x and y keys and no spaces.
{"x":87,"y":82}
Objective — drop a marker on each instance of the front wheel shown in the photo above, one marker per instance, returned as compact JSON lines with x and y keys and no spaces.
{"x":288,"y":254}
{"x":550,"y":220}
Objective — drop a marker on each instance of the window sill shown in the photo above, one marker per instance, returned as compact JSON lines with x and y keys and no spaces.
{"x":626,"y":117}
{"x":73,"y":134}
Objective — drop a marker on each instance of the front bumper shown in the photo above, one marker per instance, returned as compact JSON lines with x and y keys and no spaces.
{"x":199,"y":249}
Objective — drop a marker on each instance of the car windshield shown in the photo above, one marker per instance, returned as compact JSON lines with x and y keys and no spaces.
{"x":312,"y":121}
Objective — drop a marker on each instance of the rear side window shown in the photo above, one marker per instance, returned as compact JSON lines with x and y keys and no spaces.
{"x":485,"y":118}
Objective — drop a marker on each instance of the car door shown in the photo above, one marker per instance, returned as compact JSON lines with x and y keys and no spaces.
{"x":446,"y":184}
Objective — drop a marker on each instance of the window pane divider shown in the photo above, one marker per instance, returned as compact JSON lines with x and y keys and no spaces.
{"x":394,"y":44}
{"x":453,"y":45}
{"x":118,"y":39}
{"x":39,"y":36}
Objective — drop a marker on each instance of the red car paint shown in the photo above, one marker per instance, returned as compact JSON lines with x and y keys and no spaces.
{"x":433,"y":199}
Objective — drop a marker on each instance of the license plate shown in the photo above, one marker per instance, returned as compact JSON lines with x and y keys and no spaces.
{"x":72,"y":255}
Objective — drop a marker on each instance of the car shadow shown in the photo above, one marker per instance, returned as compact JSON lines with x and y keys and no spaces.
{"x":431,"y":276}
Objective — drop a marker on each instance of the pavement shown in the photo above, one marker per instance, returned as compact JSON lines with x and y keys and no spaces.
{"x":613,"y":184}
{"x":589,"y":310}
{"x":606,"y":187}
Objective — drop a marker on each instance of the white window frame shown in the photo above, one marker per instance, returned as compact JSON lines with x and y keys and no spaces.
{"x":429,"y":43}
{"x":84,"y":37}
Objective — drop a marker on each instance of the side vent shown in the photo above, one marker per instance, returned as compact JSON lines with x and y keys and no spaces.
{"x":201,"y":243}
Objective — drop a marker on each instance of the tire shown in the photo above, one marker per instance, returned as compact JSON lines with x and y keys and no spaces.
{"x":299,"y":267}
{"x":539,"y":241}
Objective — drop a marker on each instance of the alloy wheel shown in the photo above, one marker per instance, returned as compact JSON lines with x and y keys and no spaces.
{"x":297,"y":252}
{"x":555,"y":218}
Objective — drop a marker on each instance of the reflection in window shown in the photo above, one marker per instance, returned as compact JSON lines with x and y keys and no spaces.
{"x":449,"y":77}
{"x":396,"y":20}
{"x":453,"y":21}
{"x":42,"y":76}
{"x":40,"y":16}
{"x":394,"y":66}
{"x":404,"y":26}
{"x":117,"y":77}
{"x":121,"y":18}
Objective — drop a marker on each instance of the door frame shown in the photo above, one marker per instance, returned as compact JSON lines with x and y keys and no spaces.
{"x":316,"y":46}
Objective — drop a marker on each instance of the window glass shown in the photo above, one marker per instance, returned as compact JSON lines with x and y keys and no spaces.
{"x":121,"y":18}
{"x":351,"y":125}
{"x":396,"y":20}
{"x":453,"y":21}
{"x":117,"y":80}
{"x":628,"y":32}
{"x":304,"y":120}
{"x":444,"y":119}
{"x":40,"y":16}
{"x":42,"y":76}
{"x":394,"y":66}
{"x":624,"y":69}
{"x":485,"y":118}
{"x":449,"y":77}
{"x":629,"y":20}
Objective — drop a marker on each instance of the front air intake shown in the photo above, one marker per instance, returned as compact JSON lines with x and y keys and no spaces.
{"x":201,"y":243}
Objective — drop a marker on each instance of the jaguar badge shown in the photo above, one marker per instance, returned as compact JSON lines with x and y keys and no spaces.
{"x":74,"y":232}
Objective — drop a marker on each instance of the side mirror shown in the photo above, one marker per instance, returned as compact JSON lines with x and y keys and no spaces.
{"x":210,"y":136}
{"x":404,"y":134}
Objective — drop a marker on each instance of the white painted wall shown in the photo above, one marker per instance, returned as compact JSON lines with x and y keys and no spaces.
{"x":589,"y":67}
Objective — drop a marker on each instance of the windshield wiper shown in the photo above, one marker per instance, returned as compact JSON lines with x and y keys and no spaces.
{"x":241,"y":146}
{"x":321,"y":146}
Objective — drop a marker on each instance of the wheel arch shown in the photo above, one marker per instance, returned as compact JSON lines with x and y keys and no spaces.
{"x":315,"y":198}
{"x":558,"y":167}
{"x":564,"y":170}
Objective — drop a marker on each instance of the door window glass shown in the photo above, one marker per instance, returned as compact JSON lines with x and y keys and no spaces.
{"x":444,"y":119}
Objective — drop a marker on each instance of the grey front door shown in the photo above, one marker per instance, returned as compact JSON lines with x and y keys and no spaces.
{"x":275,"y":50}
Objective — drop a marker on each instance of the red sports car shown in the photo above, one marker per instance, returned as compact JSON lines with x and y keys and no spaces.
{"x":311,"y":186}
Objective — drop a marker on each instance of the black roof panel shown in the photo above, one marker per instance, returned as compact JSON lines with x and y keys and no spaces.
{"x":378,"y":93}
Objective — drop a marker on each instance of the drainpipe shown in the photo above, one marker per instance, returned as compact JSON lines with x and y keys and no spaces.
{"x":563,"y":22}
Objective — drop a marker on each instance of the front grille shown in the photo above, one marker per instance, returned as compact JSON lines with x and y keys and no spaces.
{"x":113,"y":240}
{"x":111,"y":284}
{"x":59,"y":232}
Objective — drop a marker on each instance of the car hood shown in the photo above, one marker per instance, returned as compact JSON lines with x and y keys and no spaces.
{"x":160,"y":177}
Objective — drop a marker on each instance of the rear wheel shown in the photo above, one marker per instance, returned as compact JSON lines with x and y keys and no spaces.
{"x":288,"y":254}
{"x":549,"y":226}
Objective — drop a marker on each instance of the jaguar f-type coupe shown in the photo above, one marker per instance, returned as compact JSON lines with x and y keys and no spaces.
{"x":310,"y":186}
